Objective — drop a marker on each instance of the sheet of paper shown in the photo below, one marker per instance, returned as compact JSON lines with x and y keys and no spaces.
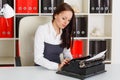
{"x":99,"y":55}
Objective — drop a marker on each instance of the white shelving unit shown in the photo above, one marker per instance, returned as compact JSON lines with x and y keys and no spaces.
{"x":101,"y":22}
{"x":99,"y":25}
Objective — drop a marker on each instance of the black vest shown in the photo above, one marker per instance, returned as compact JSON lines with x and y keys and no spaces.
{"x":52,"y":52}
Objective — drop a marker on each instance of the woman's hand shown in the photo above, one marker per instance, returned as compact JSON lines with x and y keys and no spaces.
{"x":65,"y":61}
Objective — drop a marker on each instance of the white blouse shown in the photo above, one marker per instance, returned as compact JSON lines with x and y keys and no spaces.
{"x":46,"y":33}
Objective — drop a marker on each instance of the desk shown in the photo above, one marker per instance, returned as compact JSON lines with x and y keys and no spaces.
{"x":39,"y":73}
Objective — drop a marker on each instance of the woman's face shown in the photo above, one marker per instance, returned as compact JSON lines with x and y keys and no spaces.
{"x":62,"y":19}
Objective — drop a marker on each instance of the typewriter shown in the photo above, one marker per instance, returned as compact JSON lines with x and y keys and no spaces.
{"x":84,"y":67}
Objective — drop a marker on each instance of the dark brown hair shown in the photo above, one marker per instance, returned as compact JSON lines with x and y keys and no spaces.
{"x":68,"y":31}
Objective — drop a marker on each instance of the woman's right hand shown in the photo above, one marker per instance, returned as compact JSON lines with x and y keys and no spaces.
{"x":65,"y":61}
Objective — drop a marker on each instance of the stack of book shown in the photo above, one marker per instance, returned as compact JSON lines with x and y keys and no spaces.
{"x":27,"y":6}
{"x":6,"y":27}
{"x":81,"y":27}
{"x":100,"y":6}
{"x":97,"y":46}
{"x":48,"y":6}
{"x":77,"y":48}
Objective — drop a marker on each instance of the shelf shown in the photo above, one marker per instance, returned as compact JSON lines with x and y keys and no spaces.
{"x":100,"y":14}
{"x":27,"y":14}
{"x":79,"y":6}
{"x":103,"y":37}
{"x":7,"y":61}
{"x":6,"y":38}
{"x":100,"y":25}
{"x":107,"y":62}
{"x":80,"y":38}
{"x":78,"y":14}
{"x":7,"y":52}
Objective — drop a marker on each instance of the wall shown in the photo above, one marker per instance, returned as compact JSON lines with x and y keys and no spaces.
{"x":116,"y":32}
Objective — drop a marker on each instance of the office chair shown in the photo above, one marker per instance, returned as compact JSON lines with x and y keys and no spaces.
{"x":27,"y":28}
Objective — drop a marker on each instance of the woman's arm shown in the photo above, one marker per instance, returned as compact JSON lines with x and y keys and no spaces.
{"x":39,"y":49}
{"x":67,"y":53}
{"x":67,"y":57}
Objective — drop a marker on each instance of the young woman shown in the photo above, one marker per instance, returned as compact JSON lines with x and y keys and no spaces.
{"x":54,"y":38}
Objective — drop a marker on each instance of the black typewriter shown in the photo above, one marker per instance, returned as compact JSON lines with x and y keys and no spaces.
{"x":83,"y":67}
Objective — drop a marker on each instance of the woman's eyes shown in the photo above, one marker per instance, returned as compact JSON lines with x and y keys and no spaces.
{"x":68,"y":20}
{"x":65,"y":19}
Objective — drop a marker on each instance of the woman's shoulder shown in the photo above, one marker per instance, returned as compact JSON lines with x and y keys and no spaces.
{"x":44,"y":26}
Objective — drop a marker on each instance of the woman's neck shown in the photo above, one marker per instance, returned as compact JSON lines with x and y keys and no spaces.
{"x":56,"y":28}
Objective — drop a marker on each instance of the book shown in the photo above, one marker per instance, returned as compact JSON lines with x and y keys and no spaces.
{"x":77,"y":48}
{"x":3,"y":26}
{"x":46,"y":6}
{"x":94,"y":6}
{"x":18,"y":6}
{"x":49,"y":6}
{"x":101,"y":6}
{"x":106,"y":6}
{"x":81,"y":27}
{"x":35,"y":6}
{"x":96,"y":46}
{"x":9,"y":27}
{"x":97,"y":6}
{"x":6,"y":27}
{"x":56,"y":3}
{"x":27,"y":6}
